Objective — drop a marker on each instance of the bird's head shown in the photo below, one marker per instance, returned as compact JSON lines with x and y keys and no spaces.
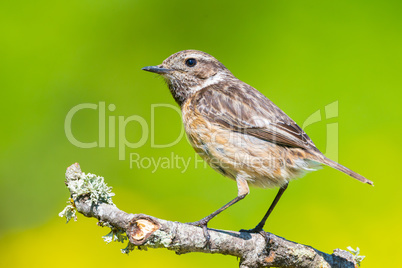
{"x":188,"y":71}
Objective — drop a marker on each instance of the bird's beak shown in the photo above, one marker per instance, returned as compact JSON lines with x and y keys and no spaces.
{"x":156,"y":69}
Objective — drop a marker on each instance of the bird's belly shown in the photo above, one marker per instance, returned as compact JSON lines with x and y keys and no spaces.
{"x":230,"y":153}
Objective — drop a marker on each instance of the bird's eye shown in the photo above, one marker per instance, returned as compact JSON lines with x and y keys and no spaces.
{"x":191,"y":62}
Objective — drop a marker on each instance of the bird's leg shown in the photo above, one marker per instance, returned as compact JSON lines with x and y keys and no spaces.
{"x":260,"y":225}
{"x":204,"y":221}
{"x":243,"y":190}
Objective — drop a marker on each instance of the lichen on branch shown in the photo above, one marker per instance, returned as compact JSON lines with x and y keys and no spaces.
{"x":85,"y":185}
{"x":91,"y":197}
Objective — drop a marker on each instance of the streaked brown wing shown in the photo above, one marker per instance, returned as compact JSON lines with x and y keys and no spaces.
{"x":244,"y":109}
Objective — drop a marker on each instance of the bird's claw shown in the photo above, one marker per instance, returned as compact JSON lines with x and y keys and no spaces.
{"x":257,"y":230}
{"x":204,"y":227}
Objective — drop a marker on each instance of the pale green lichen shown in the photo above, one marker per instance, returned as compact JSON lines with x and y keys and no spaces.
{"x":128,"y":249}
{"x":87,"y":184}
{"x":161,"y":239}
{"x":104,"y":224}
{"x":358,"y":258}
{"x":115,"y":235}
{"x":92,"y":185}
{"x":98,"y":192}
{"x":69,"y":212}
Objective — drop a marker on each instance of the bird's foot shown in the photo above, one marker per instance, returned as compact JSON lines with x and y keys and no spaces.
{"x":203,"y":224}
{"x":257,"y":230}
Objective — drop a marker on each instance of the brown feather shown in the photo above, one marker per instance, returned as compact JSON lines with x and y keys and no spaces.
{"x":232,"y":108}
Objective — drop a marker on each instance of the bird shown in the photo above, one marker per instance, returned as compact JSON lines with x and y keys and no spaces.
{"x":238,"y":131}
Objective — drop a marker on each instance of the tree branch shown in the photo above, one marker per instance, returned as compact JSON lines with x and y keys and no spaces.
{"x":93,"y":199}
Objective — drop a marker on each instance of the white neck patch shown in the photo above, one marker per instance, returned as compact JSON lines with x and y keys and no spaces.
{"x":210,"y":81}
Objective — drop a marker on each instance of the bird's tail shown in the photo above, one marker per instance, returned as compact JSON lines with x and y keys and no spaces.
{"x":345,"y":170}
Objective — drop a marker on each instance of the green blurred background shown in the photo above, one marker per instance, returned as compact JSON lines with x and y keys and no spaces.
{"x":303,"y":55}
